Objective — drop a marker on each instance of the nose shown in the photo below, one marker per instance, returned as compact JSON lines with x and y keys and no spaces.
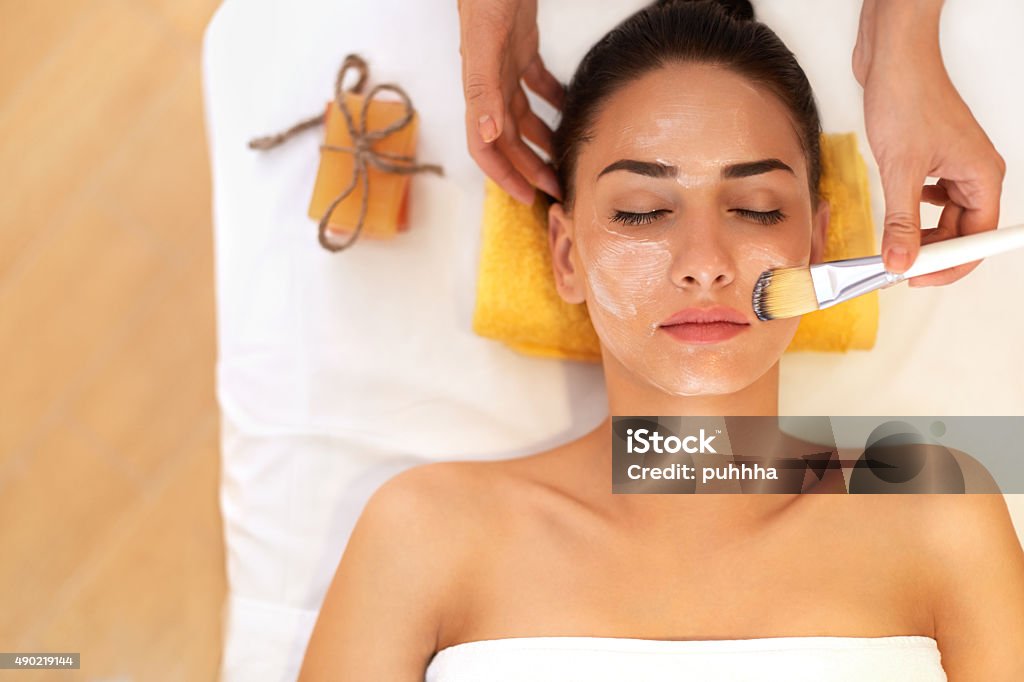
{"x":702,"y":259}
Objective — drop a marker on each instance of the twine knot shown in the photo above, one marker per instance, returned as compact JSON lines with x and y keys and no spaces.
{"x":362,"y":151}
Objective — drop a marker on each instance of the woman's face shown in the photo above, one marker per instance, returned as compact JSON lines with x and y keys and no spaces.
{"x":693,"y":184}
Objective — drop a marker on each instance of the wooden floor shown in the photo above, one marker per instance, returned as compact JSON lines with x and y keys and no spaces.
{"x":110,"y":531}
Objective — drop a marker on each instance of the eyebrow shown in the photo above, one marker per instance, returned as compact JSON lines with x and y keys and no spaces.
{"x":660,"y":170}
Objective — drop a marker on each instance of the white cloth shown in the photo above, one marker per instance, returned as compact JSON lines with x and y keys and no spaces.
{"x":609,"y":659}
{"x":337,"y":370}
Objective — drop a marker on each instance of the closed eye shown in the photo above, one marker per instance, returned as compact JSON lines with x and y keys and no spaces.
{"x":637,"y":218}
{"x":763,"y":217}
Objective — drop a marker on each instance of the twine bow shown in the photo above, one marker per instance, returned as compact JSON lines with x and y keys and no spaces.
{"x":362,"y":146}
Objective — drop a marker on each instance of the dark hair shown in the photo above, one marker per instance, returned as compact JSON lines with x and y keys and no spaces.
{"x":720,"y":32}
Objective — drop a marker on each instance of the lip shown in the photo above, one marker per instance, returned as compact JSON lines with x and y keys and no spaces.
{"x":706,"y":325}
{"x":705,"y":332}
{"x":717,"y":313}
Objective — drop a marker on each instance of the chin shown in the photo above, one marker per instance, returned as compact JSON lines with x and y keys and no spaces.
{"x":696,"y":385}
{"x":718,"y":373}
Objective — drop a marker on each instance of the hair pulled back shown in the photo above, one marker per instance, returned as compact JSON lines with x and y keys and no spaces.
{"x":718,"y":32}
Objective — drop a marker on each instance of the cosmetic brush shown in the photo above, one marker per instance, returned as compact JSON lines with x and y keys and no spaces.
{"x":788,"y":292}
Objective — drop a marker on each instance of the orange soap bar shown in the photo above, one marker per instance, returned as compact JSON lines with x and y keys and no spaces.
{"x":386,"y":209}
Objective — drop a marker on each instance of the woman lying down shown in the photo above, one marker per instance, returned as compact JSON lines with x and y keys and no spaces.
{"x":688,"y":160}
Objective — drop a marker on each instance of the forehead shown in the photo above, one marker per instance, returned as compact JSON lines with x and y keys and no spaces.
{"x":694,"y":116}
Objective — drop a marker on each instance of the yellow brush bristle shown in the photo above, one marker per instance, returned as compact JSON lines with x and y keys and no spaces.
{"x":786,"y":292}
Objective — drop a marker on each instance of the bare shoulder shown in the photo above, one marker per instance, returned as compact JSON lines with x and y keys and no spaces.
{"x":381,"y":615}
{"x":438,"y":489}
{"x":433,"y":508}
{"x":450,"y":507}
{"x":960,"y":534}
{"x":949,"y":532}
{"x":978,"y":565}
{"x":426,"y":488}
{"x":973,"y":521}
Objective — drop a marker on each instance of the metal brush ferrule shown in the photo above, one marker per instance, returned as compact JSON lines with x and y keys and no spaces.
{"x":841,"y":280}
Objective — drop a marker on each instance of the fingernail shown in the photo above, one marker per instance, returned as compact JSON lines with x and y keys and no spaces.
{"x":488,"y":128}
{"x":898,"y":259}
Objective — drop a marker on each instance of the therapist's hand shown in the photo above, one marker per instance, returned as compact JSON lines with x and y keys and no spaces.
{"x":917,"y":126}
{"x":499,"y":43}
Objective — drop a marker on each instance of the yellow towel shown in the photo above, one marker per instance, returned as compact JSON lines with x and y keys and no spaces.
{"x":517,"y":302}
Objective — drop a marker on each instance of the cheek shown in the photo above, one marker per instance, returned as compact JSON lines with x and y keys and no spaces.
{"x":757,"y":255}
{"x":778,"y":333}
{"x":625,"y":273}
{"x":752,"y":259}
{"x":754,"y":256}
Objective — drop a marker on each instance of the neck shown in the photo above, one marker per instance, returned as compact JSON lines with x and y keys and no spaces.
{"x":629,"y":397}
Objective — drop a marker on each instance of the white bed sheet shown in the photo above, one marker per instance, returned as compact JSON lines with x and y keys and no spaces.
{"x":336,"y":371}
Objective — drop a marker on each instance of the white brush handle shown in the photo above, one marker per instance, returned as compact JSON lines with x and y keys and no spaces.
{"x":951,"y":252}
